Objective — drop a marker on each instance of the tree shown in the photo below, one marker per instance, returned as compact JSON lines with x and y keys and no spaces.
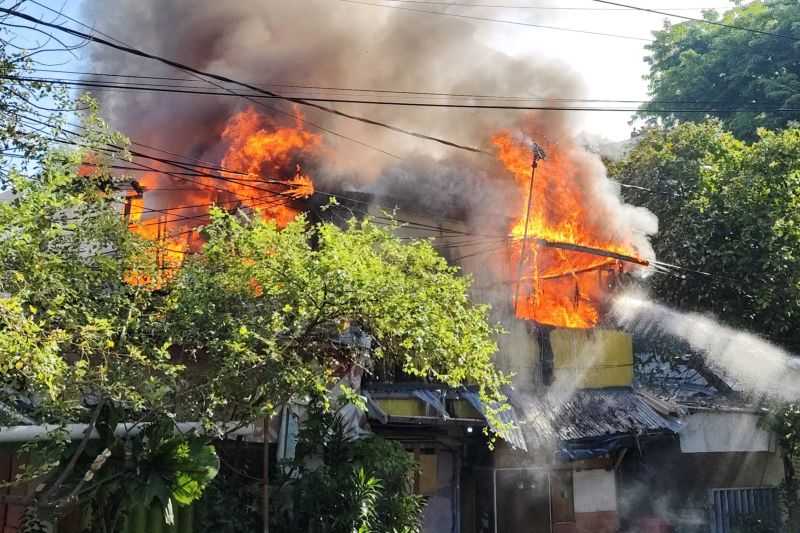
{"x":730,"y":209}
{"x":694,"y":65}
{"x":339,"y":485}
{"x":94,"y":330}
{"x":260,"y":316}
{"x":263,"y":311}
{"x":727,"y":208}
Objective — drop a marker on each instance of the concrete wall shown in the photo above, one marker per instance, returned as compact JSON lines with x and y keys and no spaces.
{"x":715,"y":432}
{"x":595,"y":496}
{"x":664,"y":483}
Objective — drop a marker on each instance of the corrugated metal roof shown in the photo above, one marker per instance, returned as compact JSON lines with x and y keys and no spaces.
{"x":435,"y":398}
{"x":514,"y":435}
{"x":587,"y":414}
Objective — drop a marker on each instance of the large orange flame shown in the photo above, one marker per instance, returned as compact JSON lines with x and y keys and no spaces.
{"x":557,"y":287}
{"x":260,"y":171}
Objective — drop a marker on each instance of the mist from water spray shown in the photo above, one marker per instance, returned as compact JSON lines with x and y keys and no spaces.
{"x":750,"y":362}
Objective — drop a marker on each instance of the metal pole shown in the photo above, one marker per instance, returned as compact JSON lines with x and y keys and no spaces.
{"x":534,"y":164}
{"x":265,"y":503}
{"x":494,"y":497}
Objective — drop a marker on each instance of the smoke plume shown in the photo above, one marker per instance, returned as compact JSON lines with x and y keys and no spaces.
{"x":332,"y":44}
{"x":313,"y":42}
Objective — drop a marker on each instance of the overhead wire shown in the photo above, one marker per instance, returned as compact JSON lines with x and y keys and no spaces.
{"x":444,"y":105}
{"x":380,"y":219}
{"x":539,"y":6}
{"x":499,"y":21}
{"x":302,"y":101}
{"x":195,"y":74}
{"x":702,"y":21}
{"x":392,"y":92}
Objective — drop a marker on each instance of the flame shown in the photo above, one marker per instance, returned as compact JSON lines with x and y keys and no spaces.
{"x":557,"y":287}
{"x":258,"y":148}
{"x":261,"y":172}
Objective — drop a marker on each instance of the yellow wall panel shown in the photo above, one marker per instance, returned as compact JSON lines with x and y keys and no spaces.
{"x":463,"y":409}
{"x":401,"y":406}
{"x":594,"y":358}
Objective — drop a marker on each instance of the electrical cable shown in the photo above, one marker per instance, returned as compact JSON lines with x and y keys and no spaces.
{"x":346,"y":90}
{"x":274,"y":109}
{"x":425,"y":104}
{"x":500,"y":21}
{"x":539,"y":7}
{"x":702,"y":21}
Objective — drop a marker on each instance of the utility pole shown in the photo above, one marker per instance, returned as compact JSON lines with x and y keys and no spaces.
{"x":538,"y":155}
{"x":265,"y":494}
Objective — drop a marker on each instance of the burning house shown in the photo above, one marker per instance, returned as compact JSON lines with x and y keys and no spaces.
{"x":590,"y":441}
{"x":523,"y":209}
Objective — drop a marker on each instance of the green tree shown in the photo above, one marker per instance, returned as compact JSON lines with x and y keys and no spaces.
{"x":260,"y":316}
{"x":264,"y":311}
{"x":701,"y":66}
{"x":92,"y":330}
{"x":336,"y":484}
{"x":730,"y":209}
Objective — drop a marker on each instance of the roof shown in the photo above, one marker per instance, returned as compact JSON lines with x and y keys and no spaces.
{"x":693,"y":386}
{"x":438,"y":412}
{"x":671,"y":379}
{"x":512,"y":433}
{"x":592,"y":415}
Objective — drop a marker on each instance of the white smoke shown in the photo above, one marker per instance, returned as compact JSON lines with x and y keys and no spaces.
{"x":750,"y":361}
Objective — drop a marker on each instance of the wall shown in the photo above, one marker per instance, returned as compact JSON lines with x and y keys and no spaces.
{"x":725,"y":432}
{"x":595,"y":496}
{"x":440,"y":491}
{"x":665,"y":483}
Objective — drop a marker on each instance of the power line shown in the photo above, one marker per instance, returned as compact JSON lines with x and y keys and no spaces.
{"x":702,"y":21}
{"x":500,"y":21}
{"x":137,"y":52}
{"x":539,"y":7}
{"x":442,"y":105}
{"x":249,"y":184}
{"x":350,"y":90}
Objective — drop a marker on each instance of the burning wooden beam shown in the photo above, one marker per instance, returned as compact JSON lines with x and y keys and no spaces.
{"x":593,"y":251}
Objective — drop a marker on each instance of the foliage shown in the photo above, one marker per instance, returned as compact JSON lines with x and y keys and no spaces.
{"x":784,"y":421}
{"x":257,"y":318}
{"x":268,"y":312}
{"x":92,"y":331}
{"x":728,"y":208}
{"x":231,"y":503}
{"x":731,"y":209}
{"x":340,"y":485}
{"x":700,"y":66}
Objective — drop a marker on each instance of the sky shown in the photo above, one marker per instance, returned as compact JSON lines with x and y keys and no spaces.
{"x":609,"y":67}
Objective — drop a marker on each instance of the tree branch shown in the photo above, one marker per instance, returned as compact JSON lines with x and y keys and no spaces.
{"x":87,"y":434}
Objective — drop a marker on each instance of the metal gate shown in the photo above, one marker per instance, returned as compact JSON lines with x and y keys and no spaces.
{"x":730,"y":507}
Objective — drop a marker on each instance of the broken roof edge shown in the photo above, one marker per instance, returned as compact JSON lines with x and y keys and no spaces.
{"x":425,"y":393}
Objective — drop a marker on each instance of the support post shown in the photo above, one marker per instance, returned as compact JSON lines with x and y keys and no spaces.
{"x":538,"y":154}
{"x":494,"y":498}
{"x":265,"y":502}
